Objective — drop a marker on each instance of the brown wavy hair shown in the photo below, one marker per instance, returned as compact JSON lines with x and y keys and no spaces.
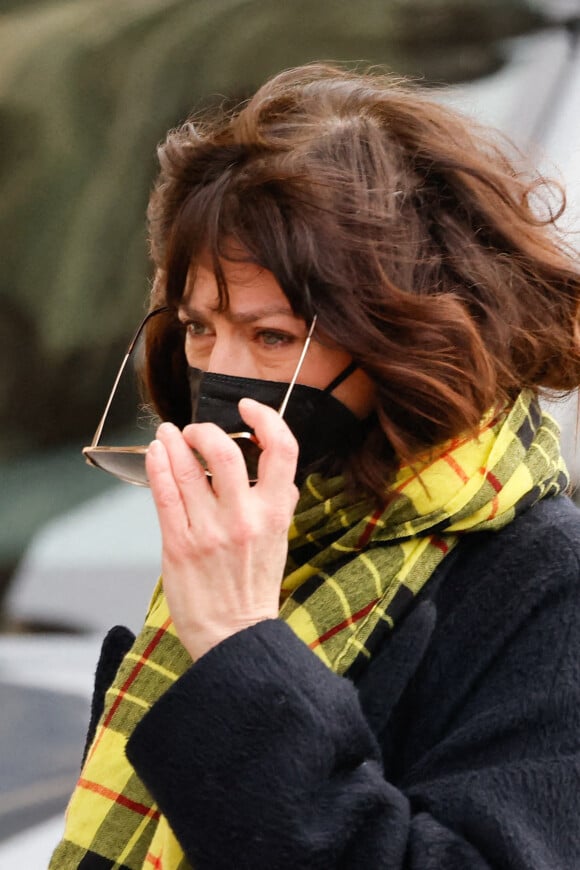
{"x":425,"y":250}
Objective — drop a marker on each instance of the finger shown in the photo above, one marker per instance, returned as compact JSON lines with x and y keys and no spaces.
{"x":279,"y":458}
{"x":188,"y":474}
{"x":168,"y":502}
{"x":224,"y":460}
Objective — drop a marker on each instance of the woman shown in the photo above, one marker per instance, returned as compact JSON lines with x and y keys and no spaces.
{"x":365,"y":652}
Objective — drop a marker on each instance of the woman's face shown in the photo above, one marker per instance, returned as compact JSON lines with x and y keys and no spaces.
{"x":258,"y":336}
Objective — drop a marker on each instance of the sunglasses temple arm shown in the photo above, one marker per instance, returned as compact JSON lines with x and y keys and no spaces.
{"x":99,"y":432}
{"x":132,"y":343}
{"x":285,"y":400}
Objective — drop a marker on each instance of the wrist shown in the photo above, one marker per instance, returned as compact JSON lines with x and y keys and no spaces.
{"x":203,"y":641}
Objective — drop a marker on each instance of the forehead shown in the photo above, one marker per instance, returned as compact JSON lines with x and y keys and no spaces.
{"x":248,"y":285}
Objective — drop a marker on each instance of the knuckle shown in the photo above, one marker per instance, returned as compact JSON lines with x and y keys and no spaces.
{"x":226,"y":453}
{"x":174,"y":549}
{"x":286,"y":444}
{"x":279,"y":513}
{"x":209,"y":542}
{"x":243,"y":531}
{"x":189,"y":474}
{"x":166,"y":496}
{"x":279,"y":520}
{"x":172,"y":555}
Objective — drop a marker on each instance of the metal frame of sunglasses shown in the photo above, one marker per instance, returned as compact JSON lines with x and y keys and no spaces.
{"x":128,"y":463}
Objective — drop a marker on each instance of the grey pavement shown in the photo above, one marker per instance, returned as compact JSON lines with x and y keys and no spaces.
{"x":45,"y":686}
{"x":86,"y":570}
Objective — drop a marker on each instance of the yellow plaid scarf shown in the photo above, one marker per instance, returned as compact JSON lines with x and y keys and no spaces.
{"x":351,"y":573}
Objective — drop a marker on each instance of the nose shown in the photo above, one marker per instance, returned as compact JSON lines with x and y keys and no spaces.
{"x":231,"y":357}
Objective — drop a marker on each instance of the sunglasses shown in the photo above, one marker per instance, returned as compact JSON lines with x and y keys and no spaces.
{"x":128,"y":463}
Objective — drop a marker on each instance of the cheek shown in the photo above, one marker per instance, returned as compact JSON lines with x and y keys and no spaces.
{"x":197,"y":352}
{"x":358,"y":393}
{"x":322,"y":365}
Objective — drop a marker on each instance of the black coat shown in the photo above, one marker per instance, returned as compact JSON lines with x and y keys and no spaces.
{"x":457,"y":749}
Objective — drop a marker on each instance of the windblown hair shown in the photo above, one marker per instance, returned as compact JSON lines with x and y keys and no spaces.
{"x":425,"y":253}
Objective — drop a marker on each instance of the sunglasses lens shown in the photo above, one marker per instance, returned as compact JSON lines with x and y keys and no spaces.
{"x":128,"y":464}
{"x":251,"y":452}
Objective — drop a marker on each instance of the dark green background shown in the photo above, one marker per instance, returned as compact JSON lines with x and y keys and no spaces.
{"x":87,"y":90}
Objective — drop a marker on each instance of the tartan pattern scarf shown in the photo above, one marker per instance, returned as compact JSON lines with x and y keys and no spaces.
{"x":351,"y":574}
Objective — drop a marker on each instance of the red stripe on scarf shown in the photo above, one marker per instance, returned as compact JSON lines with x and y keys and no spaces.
{"x":456,"y":467}
{"x":497,"y":485}
{"x":350,"y":621}
{"x":439,"y":543}
{"x":457,"y":442}
{"x":154,"y":861}
{"x":130,"y":679}
{"x":370,"y":527}
{"x":117,"y":798}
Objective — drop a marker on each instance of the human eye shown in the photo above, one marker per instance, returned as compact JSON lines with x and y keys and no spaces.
{"x":195,"y":328}
{"x":272,"y":338}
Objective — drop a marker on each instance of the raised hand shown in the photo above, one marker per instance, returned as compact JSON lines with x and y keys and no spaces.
{"x":224,"y":542}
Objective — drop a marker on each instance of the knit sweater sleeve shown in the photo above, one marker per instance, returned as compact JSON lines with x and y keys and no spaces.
{"x":260,"y":757}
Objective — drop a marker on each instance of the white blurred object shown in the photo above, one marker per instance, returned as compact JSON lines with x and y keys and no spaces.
{"x":59,"y":663}
{"x":91,"y":568}
{"x":567,"y":414}
{"x":32,"y":849}
{"x":534,"y":99}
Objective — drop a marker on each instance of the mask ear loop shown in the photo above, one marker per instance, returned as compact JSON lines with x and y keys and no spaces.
{"x":341,"y":377}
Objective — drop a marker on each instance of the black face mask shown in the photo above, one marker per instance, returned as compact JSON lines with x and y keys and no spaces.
{"x":322,"y":425}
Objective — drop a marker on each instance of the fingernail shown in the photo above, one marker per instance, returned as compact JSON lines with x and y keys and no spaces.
{"x":155,"y":449}
{"x":166,"y":427}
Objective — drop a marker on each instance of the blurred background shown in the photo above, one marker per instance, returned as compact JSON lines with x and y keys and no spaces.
{"x":87,"y":90}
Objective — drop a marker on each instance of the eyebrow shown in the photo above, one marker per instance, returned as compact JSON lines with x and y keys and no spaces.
{"x":237,"y":317}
